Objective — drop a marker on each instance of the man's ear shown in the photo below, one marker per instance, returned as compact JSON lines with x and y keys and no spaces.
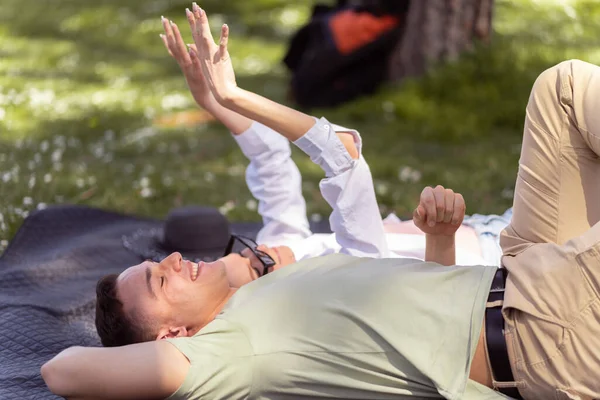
{"x":172,"y":332}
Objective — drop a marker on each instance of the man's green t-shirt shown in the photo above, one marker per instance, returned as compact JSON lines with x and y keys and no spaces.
{"x":343,"y":327}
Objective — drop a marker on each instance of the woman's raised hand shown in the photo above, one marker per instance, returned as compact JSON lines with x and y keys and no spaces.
{"x":190,"y":66}
{"x":214,"y":59}
{"x":440,"y":211}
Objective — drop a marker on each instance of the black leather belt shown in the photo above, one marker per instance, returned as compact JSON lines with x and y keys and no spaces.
{"x":494,"y":332}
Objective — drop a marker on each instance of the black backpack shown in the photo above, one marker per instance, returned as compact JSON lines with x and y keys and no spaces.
{"x":324,"y":76}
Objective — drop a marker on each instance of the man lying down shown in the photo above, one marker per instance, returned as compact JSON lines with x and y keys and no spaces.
{"x":355,"y":324}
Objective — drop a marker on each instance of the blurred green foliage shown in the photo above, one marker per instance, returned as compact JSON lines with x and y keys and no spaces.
{"x":82,"y":82}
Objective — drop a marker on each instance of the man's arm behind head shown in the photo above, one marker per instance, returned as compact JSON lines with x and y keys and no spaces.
{"x":152,"y":370}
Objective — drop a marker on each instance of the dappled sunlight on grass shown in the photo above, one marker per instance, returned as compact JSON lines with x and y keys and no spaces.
{"x":89,"y":104}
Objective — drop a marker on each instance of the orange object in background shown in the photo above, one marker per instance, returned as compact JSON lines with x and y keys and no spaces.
{"x":352,"y":30}
{"x":188,"y":118}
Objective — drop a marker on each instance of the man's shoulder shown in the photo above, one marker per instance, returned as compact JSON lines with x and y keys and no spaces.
{"x":220,"y":337}
{"x":220,"y":362}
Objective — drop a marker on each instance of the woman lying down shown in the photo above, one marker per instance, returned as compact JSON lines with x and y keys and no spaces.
{"x":274,"y":180}
{"x":339,"y":316}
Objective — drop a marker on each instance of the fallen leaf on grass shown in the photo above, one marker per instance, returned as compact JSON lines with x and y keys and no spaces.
{"x":87,"y":194}
{"x":183,"y":119}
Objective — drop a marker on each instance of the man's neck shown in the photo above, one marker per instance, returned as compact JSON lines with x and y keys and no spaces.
{"x":220,"y":305}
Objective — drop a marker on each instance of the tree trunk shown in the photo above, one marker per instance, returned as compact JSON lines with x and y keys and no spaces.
{"x":439,"y":30}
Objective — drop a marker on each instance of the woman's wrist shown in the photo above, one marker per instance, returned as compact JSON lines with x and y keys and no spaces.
{"x":440,"y":249}
{"x":447,"y":239}
{"x":210,"y":104}
{"x":231,"y":98}
{"x":234,"y":122}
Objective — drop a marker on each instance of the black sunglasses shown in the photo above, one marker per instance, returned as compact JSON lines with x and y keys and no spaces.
{"x":237,"y":241}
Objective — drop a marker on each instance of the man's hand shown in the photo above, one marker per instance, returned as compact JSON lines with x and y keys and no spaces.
{"x":190,"y":66}
{"x":214,"y":59}
{"x":440,"y":211}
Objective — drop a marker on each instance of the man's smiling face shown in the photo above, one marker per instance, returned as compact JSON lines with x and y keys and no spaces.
{"x":176,"y":296}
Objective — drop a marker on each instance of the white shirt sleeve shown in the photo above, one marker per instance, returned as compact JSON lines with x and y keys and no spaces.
{"x":348,"y":188}
{"x":274,"y":180}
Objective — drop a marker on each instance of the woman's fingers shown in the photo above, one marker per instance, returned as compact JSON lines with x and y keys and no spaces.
{"x":195,"y":25}
{"x":169,"y":34}
{"x":439,"y":194}
{"x":201,"y":30}
{"x":164,"y":39}
{"x":459,"y":209}
{"x":223,"y":42}
{"x":440,"y":205}
{"x":428,"y":204}
{"x":190,"y":17}
{"x":174,"y":43}
{"x":194,"y":21}
{"x":419,"y":216}
{"x":179,"y":47}
{"x":193,"y":52}
{"x":448,"y":205}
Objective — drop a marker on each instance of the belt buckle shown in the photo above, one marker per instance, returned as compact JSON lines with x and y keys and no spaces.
{"x":510,"y":389}
{"x":503,"y":385}
{"x":495,"y":298}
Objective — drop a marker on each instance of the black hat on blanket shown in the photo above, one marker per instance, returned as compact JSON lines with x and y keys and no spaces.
{"x":198,"y":233}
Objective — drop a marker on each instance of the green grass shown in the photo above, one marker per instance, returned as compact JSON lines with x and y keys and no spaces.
{"x":81,"y":85}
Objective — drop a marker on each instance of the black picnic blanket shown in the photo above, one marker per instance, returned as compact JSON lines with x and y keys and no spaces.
{"x":48,"y":276}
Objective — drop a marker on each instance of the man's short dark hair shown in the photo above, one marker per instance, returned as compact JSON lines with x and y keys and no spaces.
{"x":114,"y":326}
